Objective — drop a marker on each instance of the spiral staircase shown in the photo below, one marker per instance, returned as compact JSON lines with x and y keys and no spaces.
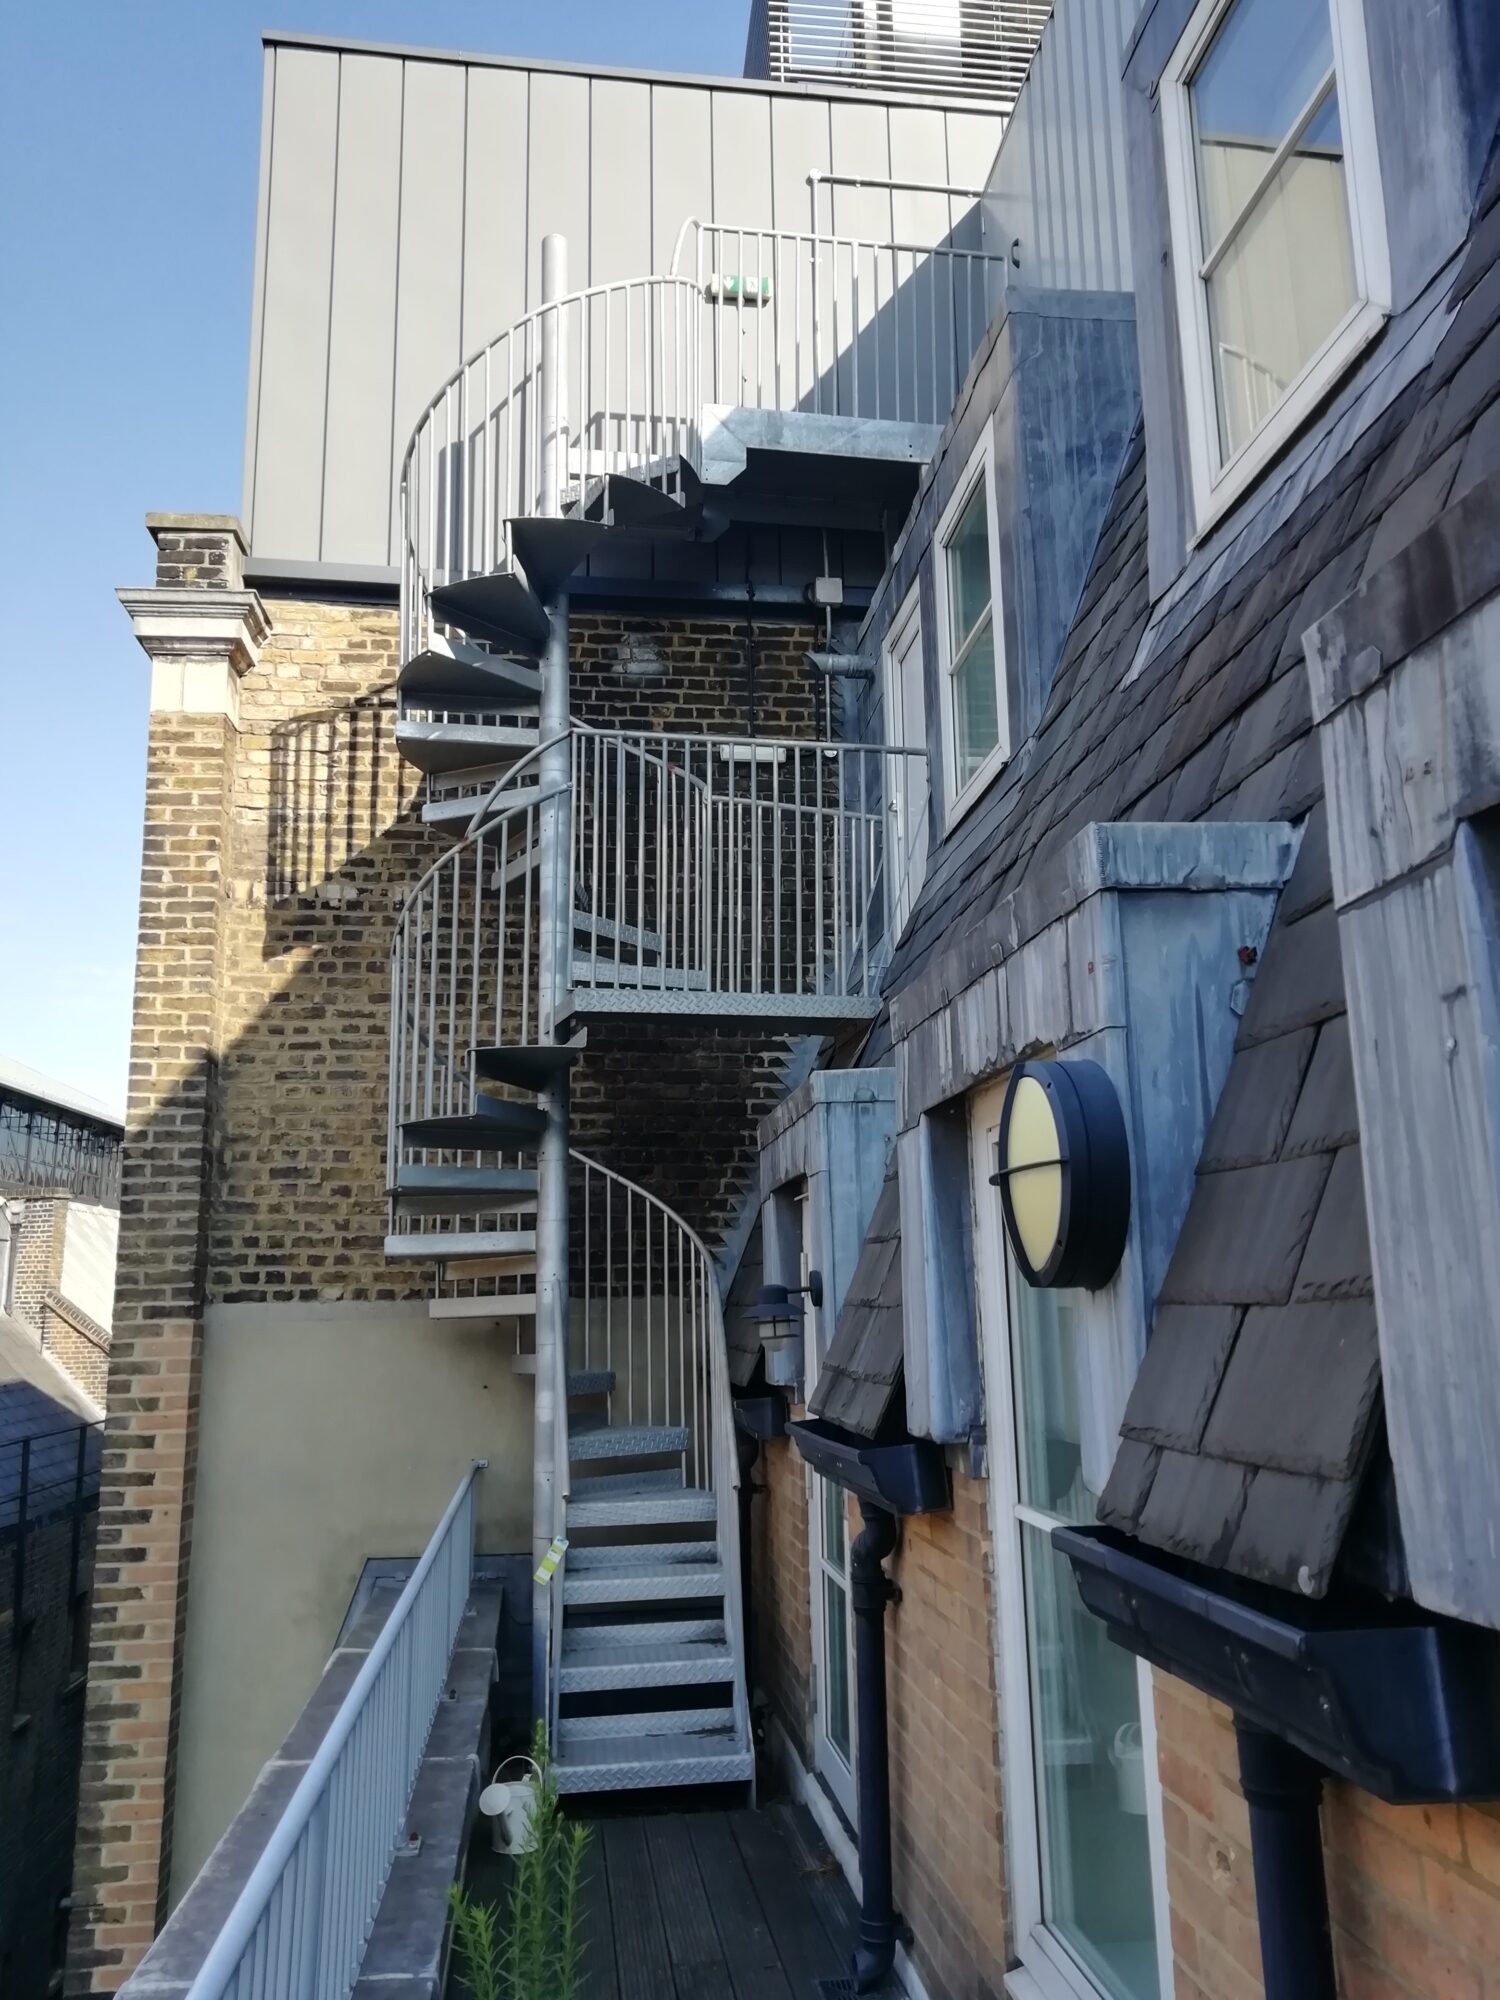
{"x":595,"y":874}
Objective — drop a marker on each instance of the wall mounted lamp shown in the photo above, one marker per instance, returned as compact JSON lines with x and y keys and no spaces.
{"x":1062,"y":1165}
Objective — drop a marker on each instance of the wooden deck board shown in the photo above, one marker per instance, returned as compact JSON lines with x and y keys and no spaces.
{"x":713,"y":1906}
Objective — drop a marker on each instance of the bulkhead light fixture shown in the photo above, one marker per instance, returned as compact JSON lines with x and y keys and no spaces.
{"x":1062,"y":1165}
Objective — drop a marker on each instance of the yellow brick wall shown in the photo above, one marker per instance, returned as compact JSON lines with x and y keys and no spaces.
{"x":1414,"y":1891}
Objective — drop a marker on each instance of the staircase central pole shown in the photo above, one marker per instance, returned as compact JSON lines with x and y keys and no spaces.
{"x":549,"y":1464}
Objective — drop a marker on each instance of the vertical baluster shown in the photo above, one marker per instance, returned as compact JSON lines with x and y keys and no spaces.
{"x":819,"y":815}
{"x":620,"y":834}
{"x":776,"y":873}
{"x":630,"y":1297}
{"x":799,"y":886}
{"x":595,"y":903}
{"x":529,"y":876}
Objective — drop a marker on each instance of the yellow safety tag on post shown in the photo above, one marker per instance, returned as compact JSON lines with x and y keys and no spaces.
{"x":547,"y":1569}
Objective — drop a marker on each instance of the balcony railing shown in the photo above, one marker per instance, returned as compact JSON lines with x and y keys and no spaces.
{"x":714,"y":866}
{"x":840,"y":326}
{"x":970,"y":48}
{"x":298,"y":1929}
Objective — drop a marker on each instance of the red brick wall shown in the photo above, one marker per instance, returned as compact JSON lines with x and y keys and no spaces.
{"x":1414,"y":1891}
{"x":947,"y":1839}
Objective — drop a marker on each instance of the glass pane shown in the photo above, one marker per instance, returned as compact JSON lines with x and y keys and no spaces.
{"x":1090,"y":1781}
{"x":1049,"y":1435}
{"x":969,"y":569}
{"x":835,"y":1523}
{"x":976,"y":715}
{"x":1262,"y":66}
{"x":1284,"y":283}
{"x":836,"y":1665}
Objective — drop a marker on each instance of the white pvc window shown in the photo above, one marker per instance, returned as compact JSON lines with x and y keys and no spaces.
{"x":976,"y":724}
{"x":1085,"y":1833}
{"x":1278,"y":225}
{"x":906,"y":729}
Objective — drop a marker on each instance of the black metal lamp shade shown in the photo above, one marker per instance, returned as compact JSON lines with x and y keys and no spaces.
{"x":1063,"y":1170}
{"x":772,"y":1311}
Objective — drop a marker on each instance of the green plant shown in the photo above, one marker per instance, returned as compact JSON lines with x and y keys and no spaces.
{"x":537,"y":1957}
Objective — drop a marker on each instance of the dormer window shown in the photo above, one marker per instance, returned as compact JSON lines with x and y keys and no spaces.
{"x":1278,"y":225}
{"x":976,"y":723}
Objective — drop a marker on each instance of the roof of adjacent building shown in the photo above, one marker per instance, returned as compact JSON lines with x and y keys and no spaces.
{"x":19,"y":1080}
{"x":39,"y":1403}
{"x":1258,"y":1405}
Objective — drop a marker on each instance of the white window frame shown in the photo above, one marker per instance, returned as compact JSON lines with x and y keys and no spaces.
{"x":1047,"y":1970}
{"x":907,"y":838}
{"x":1217,"y":483}
{"x":959,"y":798}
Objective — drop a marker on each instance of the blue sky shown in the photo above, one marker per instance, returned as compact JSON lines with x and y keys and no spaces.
{"x":129,"y":145}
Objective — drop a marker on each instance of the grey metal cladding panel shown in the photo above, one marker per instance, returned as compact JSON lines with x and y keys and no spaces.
{"x":495,"y":194}
{"x":861,"y":145}
{"x":429,"y":294}
{"x":741,"y":158}
{"x":620,"y":234}
{"x":258,"y":285}
{"x":800,"y":142}
{"x":919,"y":152}
{"x":1058,"y":182}
{"x":681,"y":165}
{"x":559,"y":148}
{"x":362,"y":323}
{"x":294,"y":331}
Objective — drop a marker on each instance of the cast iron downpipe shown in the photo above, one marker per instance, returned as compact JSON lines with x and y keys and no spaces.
{"x":870,"y":1590}
{"x":1282,"y":1788}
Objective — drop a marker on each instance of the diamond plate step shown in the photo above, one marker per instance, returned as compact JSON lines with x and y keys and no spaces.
{"x":463,"y":1190}
{"x":452,"y":1246}
{"x":633,"y":1763}
{"x":502,"y":608}
{"x":607,"y":930}
{"x":529,"y":1067}
{"x":581,"y":1730}
{"x":449,"y":672}
{"x":601,"y":1669}
{"x":440,"y":748}
{"x":647,"y":979}
{"x":486,"y":1128}
{"x":642,"y":1509}
{"x":643,"y":1586}
{"x":590,"y":1381}
{"x":623,"y":1557}
{"x":620,"y":1485}
{"x":579,"y":1640}
{"x":626,"y":1441}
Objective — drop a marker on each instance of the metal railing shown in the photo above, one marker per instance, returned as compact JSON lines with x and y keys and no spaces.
{"x":720,"y":865}
{"x":466,"y":974}
{"x":646,"y":1305}
{"x":970,"y":48}
{"x":625,"y":399}
{"x":299,"y":1927}
{"x":841,"y":326}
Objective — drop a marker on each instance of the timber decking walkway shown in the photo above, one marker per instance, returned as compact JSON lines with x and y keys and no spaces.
{"x":715,"y":1906}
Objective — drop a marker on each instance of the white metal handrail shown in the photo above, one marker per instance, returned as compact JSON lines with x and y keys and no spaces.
{"x":646,"y":1305}
{"x":842,"y":326}
{"x":465,"y":974}
{"x":625,"y":399}
{"x":299,"y":1927}
{"x":728,"y":865}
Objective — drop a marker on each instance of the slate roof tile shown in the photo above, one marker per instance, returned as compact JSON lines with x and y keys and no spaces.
{"x":1300,"y":981}
{"x":1312,"y":878}
{"x":1179,"y":1377}
{"x":1336,"y":1263}
{"x":1129,"y":1483}
{"x":1414,"y":509}
{"x":1299,"y":1389}
{"x":1194,"y":1505}
{"x":1245,"y":1233}
{"x":1290,"y":1530}
{"x":1326,"y":1115}
{"x":1256,"y":1105}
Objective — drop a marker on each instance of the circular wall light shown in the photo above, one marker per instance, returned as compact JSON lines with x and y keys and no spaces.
{"x":1062,"y":1165}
